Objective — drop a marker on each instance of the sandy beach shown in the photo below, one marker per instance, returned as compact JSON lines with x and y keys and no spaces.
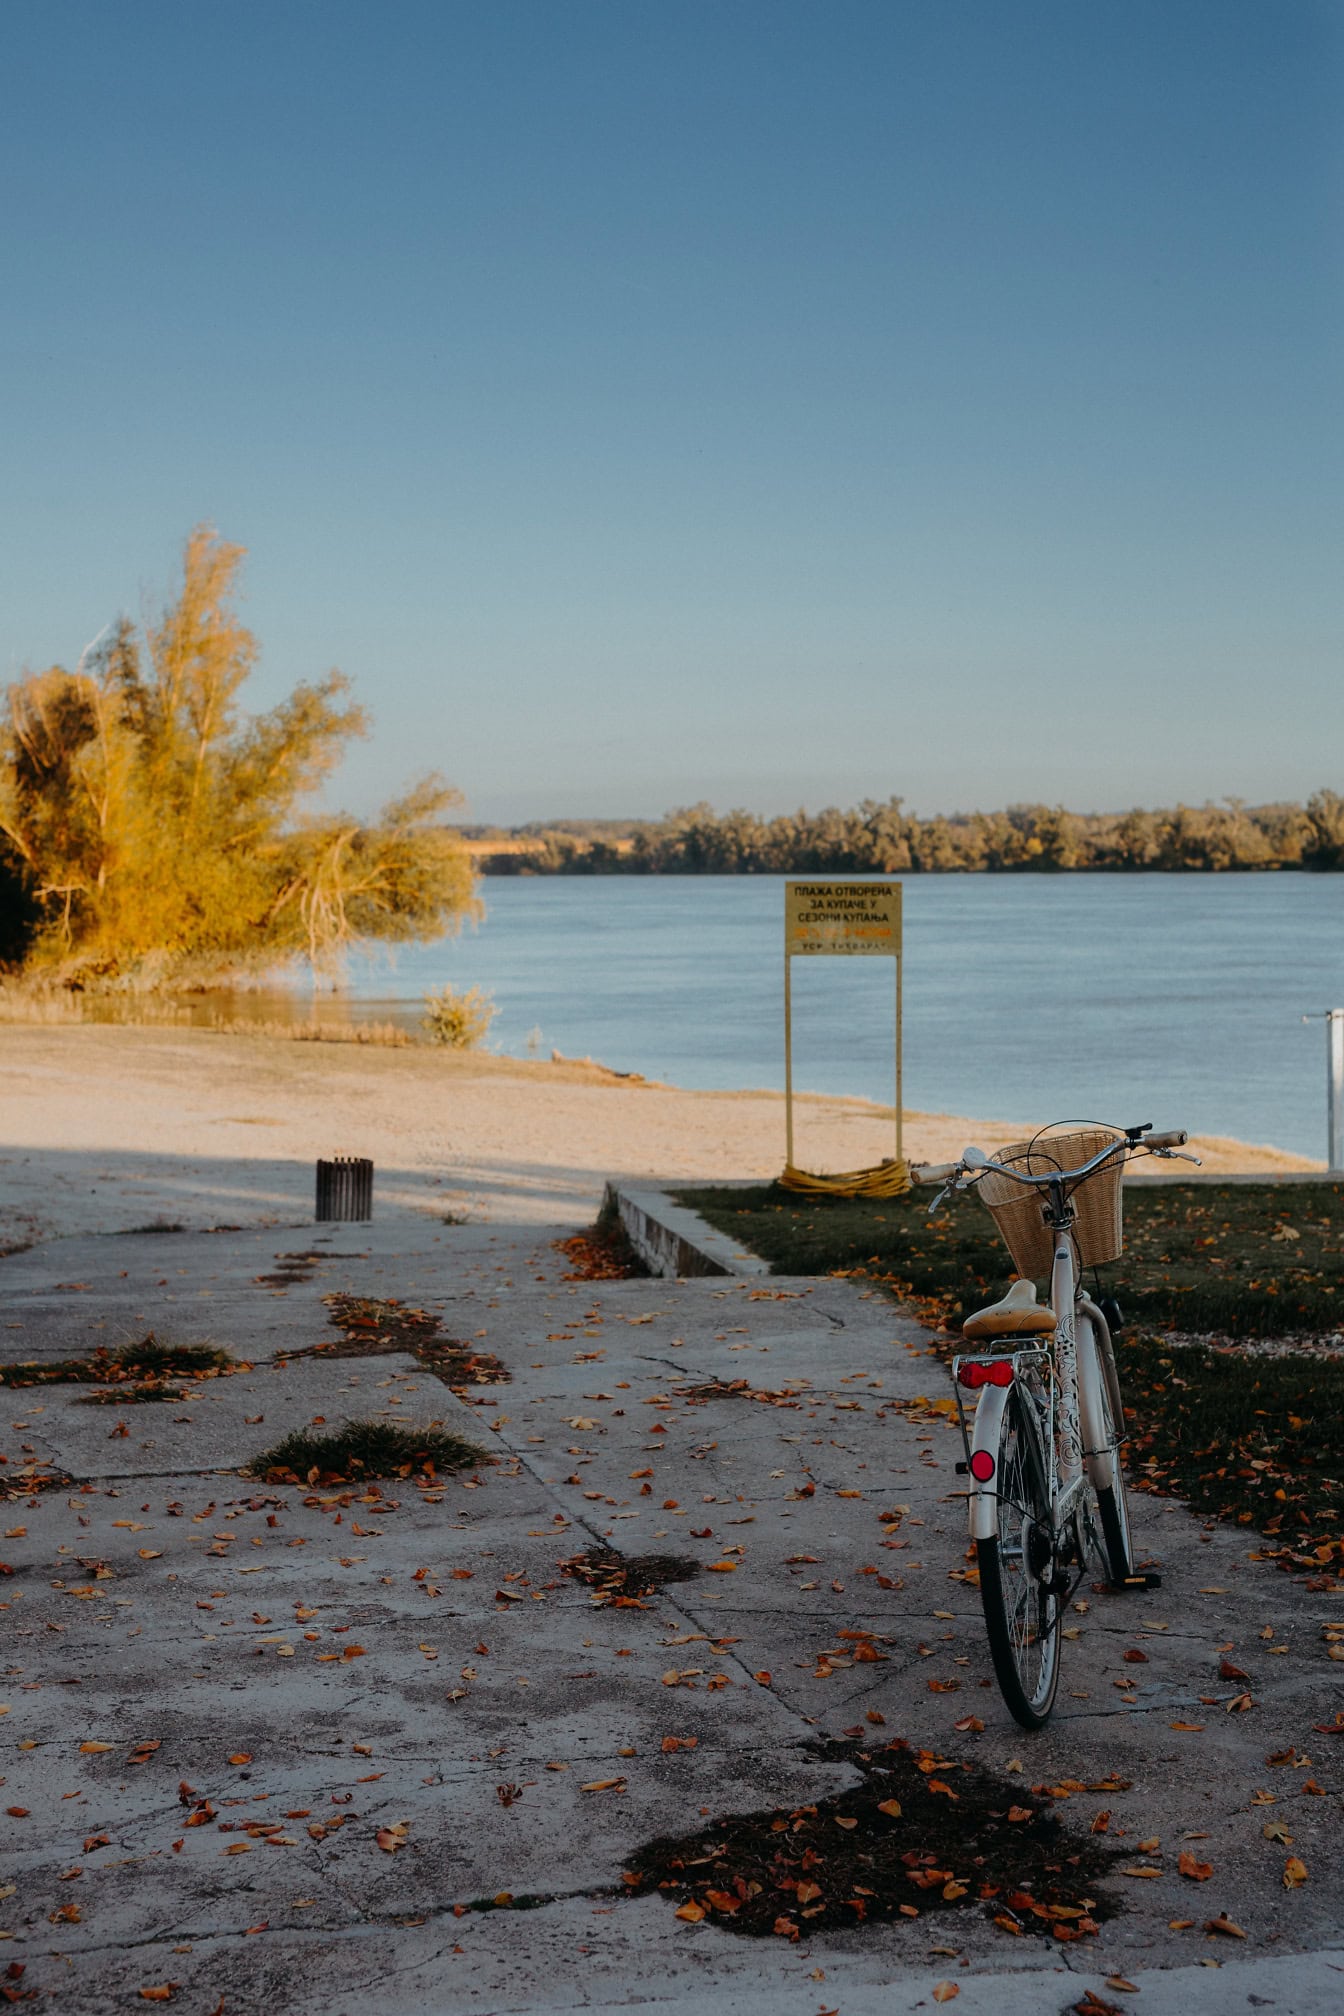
{"x":110,"y":1128}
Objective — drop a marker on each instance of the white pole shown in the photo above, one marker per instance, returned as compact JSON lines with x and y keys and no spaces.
{"x":1334,"y":1036}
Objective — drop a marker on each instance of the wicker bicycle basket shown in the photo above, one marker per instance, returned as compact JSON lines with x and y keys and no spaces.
{"x":1019,"y":1213}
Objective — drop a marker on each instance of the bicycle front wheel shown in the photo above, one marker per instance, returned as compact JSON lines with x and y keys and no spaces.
{"x":1017,"y":1569}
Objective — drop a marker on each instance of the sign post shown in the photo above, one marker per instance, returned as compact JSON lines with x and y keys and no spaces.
{"x":851,"y":920}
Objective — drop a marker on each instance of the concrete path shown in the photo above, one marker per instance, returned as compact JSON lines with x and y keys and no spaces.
{"x":319,"y":1671}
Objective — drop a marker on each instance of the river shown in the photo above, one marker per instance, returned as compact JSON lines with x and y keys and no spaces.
{"x":1171,"y":998}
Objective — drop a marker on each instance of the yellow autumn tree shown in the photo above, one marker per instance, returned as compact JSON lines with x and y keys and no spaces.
{"x":152,"y":830}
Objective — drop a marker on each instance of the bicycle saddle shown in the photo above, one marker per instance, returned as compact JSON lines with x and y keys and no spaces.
{"x":1017,"y":1315}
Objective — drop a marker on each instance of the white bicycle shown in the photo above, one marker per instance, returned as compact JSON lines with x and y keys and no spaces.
{"x":1042,"y":1450}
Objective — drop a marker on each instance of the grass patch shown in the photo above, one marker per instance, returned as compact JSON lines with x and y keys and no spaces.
{"x":146,"y":1363}
{"x":363,"y":1449}
{"x":622,"y":1582}
{"x":375,"y":1328}
{"x":920,"y":1834}
{"x":131,"y":1396}
{"x":1234,"y":1259}
{"x":1248,"y":1437}
{"x":290,"y":1269}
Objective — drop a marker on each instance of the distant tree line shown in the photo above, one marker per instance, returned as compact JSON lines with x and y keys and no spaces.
{"x":884,"y":839}
{"x":152,"y":832}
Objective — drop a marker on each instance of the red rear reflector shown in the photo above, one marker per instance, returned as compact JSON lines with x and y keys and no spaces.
{"x":982,"y":1466}
{"x":976,"y":1373}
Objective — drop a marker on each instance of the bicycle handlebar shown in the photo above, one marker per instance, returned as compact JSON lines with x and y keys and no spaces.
{"x":948,"y":1172}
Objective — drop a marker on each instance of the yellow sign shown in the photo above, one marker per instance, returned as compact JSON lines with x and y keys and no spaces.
{"x":853,"y":919}
{"x":844,"y":917}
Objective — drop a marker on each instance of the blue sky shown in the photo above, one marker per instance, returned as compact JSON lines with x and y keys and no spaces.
{"x":768,"y":403}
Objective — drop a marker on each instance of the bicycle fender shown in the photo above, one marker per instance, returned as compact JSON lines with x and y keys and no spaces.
{"x":982,"y":1500}
{"x":1101,"y":1463}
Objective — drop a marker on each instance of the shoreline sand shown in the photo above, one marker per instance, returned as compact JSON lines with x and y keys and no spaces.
{"x":108,"y":1128}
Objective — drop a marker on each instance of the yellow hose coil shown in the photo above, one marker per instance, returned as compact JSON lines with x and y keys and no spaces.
{"x":888,"y":1179}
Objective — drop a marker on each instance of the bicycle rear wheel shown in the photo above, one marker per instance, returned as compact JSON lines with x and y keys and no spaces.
{"x":1017,"y":1568}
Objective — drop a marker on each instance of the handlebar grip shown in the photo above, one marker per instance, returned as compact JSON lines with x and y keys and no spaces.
{"x":1177,"y":1138}
{"x":934,"y":1172}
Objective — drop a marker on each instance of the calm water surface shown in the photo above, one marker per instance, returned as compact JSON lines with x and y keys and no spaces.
{"x":1171,"y":998}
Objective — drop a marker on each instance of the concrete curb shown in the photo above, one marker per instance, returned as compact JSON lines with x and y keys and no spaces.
{"x":674,"y":1242}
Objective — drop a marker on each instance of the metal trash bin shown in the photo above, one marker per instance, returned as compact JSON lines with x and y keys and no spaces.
{"x":345,"y":1188}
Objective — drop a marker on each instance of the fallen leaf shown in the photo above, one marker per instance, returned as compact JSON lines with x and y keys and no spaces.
{"x":891,"y":1807}
{"x":1198,"y":1872}
{"x":95,"y":1749}
{"x":1222,"y":1923}
{"x":1294,"y":1873}
{"x":945,"y":1991}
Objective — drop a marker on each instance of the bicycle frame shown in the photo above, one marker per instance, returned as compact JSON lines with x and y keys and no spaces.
{"x":1068,"y":1407}
{"x":1046,"y":1496}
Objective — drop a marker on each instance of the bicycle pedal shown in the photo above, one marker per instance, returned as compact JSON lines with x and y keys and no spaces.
{"x":1130,"y":1583}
